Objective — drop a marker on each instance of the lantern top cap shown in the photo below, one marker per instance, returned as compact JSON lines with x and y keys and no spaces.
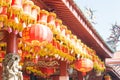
{"x":44,"y":11}
{"x":68,"y":32}
{"x":36,"y":7}
{"x":28,"y":2}
{"x":73,"y":36}
{"x":52,"y":14}
{"x":58,"y":20}
{"x":64,"y":27}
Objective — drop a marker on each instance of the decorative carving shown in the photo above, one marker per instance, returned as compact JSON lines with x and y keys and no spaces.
{"x":11,"y":68}
{"x":47,"y":63}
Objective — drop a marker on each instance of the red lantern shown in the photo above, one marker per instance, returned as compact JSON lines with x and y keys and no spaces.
{"x":43,"y":16}
{"x":58,"y":22}
{"x":51,"y":18}
{"x":17,"y":3}
{"x":37,"y":32}
{"x":34,"y":12}
{"x":83,"y":65}
{"x":27,"y":7}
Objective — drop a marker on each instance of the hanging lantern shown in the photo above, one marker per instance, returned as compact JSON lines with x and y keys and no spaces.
{"x":27,"y":7}
{"x":37,"y":32}
{"x":15,"y":9}
{"x":35,"y":11}
{"x":51,"y":18}
{"x":26,"y":16}
{"x":14,"y":16}
{"x":63,"y":29}
{"x":43,"y":16}
{"x":17,"y":3}
{"x":58,"y":23}
{"x":83,"y":65}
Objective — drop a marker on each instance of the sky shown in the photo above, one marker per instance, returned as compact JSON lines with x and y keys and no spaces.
{"x":106,"y":13}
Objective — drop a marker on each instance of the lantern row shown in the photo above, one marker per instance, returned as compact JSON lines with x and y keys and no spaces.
{"x":46,"y":51}
{"x":18,"y":15}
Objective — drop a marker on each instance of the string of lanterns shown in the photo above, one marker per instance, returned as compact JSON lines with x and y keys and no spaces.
{"x":44,"y":35}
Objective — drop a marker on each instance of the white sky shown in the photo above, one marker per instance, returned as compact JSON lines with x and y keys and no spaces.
{"x":107,"y":12}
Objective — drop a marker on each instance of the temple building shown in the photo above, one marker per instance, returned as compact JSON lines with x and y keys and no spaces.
{"x":54,"y":41}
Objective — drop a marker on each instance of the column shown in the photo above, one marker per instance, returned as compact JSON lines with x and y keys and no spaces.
{"x":63,"y":72}
{"x":11,"y":61}
{"x":80,"y":76}
{"x":12,"y":43}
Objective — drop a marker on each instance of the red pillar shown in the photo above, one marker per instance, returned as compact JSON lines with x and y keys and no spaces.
{"x":63,"y":72}
{"x":80,"y":76}
{"x":11,"y":59}
{"x":12,"y":43}
{"x":63,"y":68}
